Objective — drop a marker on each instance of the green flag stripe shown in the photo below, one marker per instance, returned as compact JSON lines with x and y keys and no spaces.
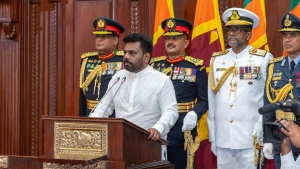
{"x":246,"y":2}
{"x":294,"y":3}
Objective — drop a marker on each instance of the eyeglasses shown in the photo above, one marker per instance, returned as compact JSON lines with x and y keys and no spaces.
{"x":235,"y":30}
{"x":103,"y":36}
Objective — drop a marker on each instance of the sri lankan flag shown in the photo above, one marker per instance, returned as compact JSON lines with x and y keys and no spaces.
{"x":164,"y":9}
{"x":259,"y":35}
{"x":295,"y":7}
{"x":207,"y":36}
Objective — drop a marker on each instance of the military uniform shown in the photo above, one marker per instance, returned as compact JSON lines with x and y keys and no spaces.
{"x":97,"y":70}
{"x":282,"y":84}
{"x":95,"y":74}
{"x":190,"y":82}
{"x":235,"y":93}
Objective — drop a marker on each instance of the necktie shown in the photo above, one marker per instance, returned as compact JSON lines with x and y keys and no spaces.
{"x":292,"y":64}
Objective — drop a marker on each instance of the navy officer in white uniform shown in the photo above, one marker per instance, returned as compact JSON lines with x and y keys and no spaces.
{"x":235,"y":93}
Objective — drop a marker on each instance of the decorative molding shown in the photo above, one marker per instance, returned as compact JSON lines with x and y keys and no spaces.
{"x":134,"y":15}
{"x":9,"y":27}
{"x":3,"y":161}
{"x":96,"y":164}
{"x":35,"y":67}
{"x":81,"y":139}
{"x":53,"y":59}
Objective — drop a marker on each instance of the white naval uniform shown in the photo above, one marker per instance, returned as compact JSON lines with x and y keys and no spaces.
{"x":233,"y":113}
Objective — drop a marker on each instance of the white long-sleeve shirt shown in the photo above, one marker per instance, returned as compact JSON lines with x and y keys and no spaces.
{"x":288,"y":162}
{"x":146,"y":98}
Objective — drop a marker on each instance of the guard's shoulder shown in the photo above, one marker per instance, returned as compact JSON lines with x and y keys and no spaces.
{"x":258,"y":52}
{"x":120,"y":53}
{"x":88,"y":54}
{"x":195,"y":61}
{"x":278,"y":59}
{"x":157,"y":59}
{"x":220,"y":53}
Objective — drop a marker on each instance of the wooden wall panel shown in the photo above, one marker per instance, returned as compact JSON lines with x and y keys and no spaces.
{"x":10,"y":98}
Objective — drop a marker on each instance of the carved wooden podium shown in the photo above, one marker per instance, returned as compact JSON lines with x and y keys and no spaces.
{"x":104,"y":143}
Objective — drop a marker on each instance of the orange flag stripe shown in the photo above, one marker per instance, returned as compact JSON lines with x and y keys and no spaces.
{"x":164,"y":9}
{"x":259,"y":36}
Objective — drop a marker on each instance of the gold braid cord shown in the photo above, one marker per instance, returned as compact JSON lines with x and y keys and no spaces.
{"x":281,"y":93}
{"x":90,"y":77}
{"x":167,"y":70}
{"x":230,"y":70}
{"x":191,"y":147}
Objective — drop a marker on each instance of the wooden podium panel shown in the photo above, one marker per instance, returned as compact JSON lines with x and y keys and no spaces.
{"x":107,"y":142}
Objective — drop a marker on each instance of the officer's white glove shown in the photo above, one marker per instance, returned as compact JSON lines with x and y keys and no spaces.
{"x":258,"y":131}
{"x":268,"y":151}
{"x":189,"y":121}
{"x":214,"y":148}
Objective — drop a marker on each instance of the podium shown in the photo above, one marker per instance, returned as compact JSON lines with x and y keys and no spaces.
{"x":108,"y":143}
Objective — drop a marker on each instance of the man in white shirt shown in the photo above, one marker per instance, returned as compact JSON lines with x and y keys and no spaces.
{"x":292,"y":131}
{"x":147,"y":97}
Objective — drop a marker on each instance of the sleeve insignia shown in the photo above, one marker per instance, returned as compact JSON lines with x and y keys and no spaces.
{"x":220,"y":53}
{"x":278,"y":59}
{"x":195,"y":61}
{"x":120,"y":53}
{"x":157,"y":59}
{"x":88,"y":54}
{"x":258,"y":52}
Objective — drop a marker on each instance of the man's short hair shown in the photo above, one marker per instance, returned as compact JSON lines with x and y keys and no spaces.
{"x":145,"y":41}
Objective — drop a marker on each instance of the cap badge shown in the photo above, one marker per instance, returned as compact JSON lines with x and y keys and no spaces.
{"x":235,"y":15}
{"x":171,"y":24}
{"x":101,"y":23}
{"x":287,"y":21}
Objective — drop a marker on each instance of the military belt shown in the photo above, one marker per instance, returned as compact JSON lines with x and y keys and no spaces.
{"x":90,"y":104}
{"x":186,"y":106}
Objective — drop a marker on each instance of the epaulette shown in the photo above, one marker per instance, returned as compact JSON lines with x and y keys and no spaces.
{"x":88,"y":54}
{"x":195,"y":61}
{"x":278,"y":59}
{"x":220,"y":53}
{"x":120,"y":53}
{"x":157,"y":59}
{"x":258,"y":52}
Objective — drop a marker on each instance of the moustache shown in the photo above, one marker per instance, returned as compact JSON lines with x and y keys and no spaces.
{"x":230,"y":39}
{"x":127,"y":61}
{"x":171,"y":45}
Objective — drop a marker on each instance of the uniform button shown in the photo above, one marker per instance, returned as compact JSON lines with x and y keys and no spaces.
{"x":231,"y":121}
{"x":231,"y":105}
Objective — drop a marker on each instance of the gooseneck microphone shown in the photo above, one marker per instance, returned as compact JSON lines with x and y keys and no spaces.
{"x":123,"y":80}
{"x":268,"y":108}
{"x":115,"y":82}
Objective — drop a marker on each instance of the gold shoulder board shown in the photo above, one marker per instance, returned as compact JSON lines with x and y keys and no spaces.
{"x":195,"y":61}
{"x":258,"y":52}
{"x":88,"y":54}
{"x":120,"y":53}
{"x":278,"y":59}
{"x":220,"y":53}
{"x":157,"y":59}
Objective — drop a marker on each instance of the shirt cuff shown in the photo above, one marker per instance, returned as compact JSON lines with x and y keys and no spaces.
{"x":159,"y":127}
{"x":287,"y":160}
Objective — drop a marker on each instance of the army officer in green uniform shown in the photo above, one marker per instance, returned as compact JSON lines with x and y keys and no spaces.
{"x":97,"y":68}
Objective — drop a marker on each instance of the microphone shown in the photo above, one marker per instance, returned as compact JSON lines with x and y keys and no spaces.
{"x":123,"y":80}
{"x":115,"y":82}
{"x":268,"y":108}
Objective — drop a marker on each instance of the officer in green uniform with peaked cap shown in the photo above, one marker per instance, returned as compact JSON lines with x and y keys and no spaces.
{"x":190,"y":82}
{"x":97,"y":68}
